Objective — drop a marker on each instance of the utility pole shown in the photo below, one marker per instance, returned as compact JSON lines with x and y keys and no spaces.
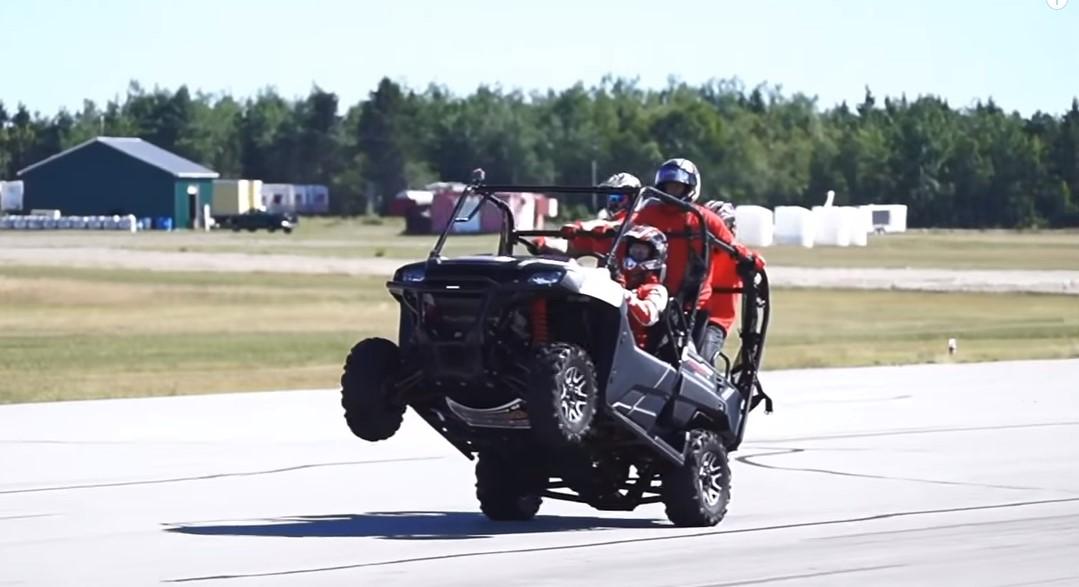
{"x":595,"y":205}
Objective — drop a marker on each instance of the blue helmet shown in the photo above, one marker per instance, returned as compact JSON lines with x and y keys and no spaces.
{"x":680,"y":171}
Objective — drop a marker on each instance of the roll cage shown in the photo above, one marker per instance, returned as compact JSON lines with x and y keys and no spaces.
{"x":684,"y":322}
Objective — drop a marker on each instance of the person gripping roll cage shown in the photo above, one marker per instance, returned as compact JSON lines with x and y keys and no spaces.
{"x":616,"y":206}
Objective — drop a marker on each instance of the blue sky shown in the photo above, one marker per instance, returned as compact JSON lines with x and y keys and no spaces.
{"x":1025,"y":55}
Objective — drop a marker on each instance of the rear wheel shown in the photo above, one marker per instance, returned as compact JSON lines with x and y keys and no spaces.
{"x":370,"y":372}
{"x":508,"y":489}
{"x":562,"y":395}
{"x":697,"y":493}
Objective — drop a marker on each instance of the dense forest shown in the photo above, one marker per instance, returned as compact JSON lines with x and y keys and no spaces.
{"x":976,"y":166}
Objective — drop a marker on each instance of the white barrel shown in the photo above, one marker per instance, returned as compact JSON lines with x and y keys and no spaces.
{"x":794,"y":225}
{"x":755,"y":225}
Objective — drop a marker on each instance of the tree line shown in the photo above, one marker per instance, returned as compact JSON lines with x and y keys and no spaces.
{"x":975,"y":166}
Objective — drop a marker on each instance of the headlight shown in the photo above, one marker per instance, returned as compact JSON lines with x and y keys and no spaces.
{"x":414,"y":274}
{"x":545,"y":277}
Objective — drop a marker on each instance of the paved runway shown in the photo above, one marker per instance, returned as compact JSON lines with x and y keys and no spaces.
{"x":932,"y":475}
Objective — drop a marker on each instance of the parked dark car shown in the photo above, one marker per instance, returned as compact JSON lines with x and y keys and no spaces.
{"x":258,"y":219}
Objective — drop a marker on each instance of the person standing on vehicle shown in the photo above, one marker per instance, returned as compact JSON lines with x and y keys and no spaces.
{"x":644,"y":263}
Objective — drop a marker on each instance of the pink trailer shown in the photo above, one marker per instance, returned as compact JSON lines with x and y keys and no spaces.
{"x":529,"y":212}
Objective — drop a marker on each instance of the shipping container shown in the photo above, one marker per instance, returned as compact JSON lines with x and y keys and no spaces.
{"x":236,"y":196}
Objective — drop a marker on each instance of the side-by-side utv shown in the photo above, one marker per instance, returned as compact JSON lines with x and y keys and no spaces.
{"x":528,"y":363}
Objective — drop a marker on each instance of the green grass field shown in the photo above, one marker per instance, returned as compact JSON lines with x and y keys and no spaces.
{"x":337,"y":237}
{"x":75,"y":333}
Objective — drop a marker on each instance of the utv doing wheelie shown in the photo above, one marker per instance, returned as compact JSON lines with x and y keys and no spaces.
{"x":527,"y":363}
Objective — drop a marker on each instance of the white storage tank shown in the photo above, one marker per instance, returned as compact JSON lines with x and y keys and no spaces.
{"x":755,"y":225}
{"x":842,"y":226}
{"x":794,"y":225}
{"x":887,"y":217}
{"x":834,"y":226}
{"x":861,"y":225}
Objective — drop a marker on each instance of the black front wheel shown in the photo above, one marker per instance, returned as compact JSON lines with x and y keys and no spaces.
{"x":370,"y":371}
{"x":697,"y":493}
{"x":562,"y":395}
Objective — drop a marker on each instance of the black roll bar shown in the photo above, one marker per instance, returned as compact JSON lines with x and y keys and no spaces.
{"x":509,"y":234}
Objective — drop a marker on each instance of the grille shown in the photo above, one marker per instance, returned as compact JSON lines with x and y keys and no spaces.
{"x":450,"y":316}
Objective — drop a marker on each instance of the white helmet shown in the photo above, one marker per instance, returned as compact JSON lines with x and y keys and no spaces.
{"x":682,"y":171}
{"x":725,"y":210}
{"x":620,"y":180}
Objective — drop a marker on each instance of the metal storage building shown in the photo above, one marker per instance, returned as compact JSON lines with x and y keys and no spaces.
{"x":119,"y":175}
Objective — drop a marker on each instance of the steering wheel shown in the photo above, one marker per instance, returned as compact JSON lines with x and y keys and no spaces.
{"x":535,"y":250}
{"x":532,"y":247}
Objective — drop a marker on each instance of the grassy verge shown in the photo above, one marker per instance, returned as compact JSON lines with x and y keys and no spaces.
{"x":73,"y":334}
{"x":828,"y":328}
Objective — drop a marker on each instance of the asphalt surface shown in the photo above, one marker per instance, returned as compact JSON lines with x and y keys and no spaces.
{"x":929,"y":475}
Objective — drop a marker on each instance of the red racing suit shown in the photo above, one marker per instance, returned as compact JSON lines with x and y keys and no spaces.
{"x":682,"y":230}
{"x":724,"y":299}
{"x":646,"y":304}
{"x":584,"y":246}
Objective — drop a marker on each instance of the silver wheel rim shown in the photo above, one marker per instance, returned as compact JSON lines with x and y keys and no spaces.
{"x":573,"y":398}
{"x":711,"y":479}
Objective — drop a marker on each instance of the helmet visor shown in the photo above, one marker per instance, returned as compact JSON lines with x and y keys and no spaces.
{"x":616,"y":200}
{"x":674,"y":174}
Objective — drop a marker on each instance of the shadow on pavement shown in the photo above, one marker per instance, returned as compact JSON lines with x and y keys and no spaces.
{"x":407,"y":526}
